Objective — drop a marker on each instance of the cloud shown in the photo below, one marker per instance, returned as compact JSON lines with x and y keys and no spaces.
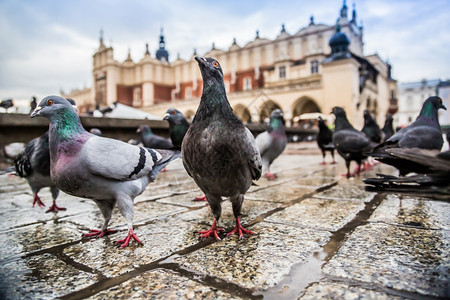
{"x":48,"y":45}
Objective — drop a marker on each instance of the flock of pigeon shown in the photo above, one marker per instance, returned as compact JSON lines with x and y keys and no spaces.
{"x":217,"y":150}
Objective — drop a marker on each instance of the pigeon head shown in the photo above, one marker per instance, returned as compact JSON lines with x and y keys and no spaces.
{"x":366,"y":114}
{"x":320,"y":121}
{"x":338,"y":111}
{"x":173,"y":115}
{"x":436,"y":102}
{"x":53,"y":106}
{"x":430,"y":107}
{"x":341,"y":121}
{"x":276,"y":119}
{"x":144,"y":129}
{"x":210,"y":68}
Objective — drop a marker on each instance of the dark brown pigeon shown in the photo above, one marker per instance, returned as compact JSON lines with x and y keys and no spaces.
{"x":219,"y":152}
{"x":325,"y":140}
{"x":350,"y":143}
{"x":151,"y":140}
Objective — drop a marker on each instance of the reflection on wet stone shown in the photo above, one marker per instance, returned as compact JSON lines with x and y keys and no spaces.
{"x":259,"y":261}
{"x":414,"y":260}
{"x":42,"y":276}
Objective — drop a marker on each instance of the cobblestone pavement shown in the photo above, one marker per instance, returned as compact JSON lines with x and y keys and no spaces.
{"x":319,"y":235}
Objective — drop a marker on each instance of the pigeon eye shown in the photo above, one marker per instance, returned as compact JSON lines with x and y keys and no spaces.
{"x":49,"y":102}
{"x":174,"y":112}
{"x":215,"y":64}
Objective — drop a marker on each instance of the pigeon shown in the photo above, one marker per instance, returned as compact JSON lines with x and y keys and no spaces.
{"x":151,"y":140}
{"x":105,"y":170}
{"x":271,"y":143}
{"x":33,"y":164}
{"x":325,"y":140}
{"x":371,"y":128}
{"x":388,"y":128}
{"x":424,"y":133}
{"x":7,"y":103}
{"x":350,"y":143}
{"x":219,"y":152}
{"x":96,"y":131}
{"x":178,"y":126}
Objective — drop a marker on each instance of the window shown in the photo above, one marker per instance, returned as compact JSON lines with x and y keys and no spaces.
{"x":314,"y":66}
{"x":282,"y":70}
{"x":137,"y":97}
{"x":188,"y":93}
{"x":247,"y":83}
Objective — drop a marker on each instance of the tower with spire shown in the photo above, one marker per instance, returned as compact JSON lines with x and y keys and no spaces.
{"x":161,"y":53}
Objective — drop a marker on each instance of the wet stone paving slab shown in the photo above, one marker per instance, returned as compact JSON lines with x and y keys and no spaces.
{"x":318,"y":236}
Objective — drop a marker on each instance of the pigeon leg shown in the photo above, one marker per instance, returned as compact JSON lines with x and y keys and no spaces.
{"x":216,"y":208}
{"x":98,"y":233}
{"x":126,"y":241}
{"x":332,"y":155}
{"x":237,"y":206}
{"x":54,"y":207}
{"x":270,"y":176}
{"x":37,"y":200}
{"x":106,"y":208}
{"x":239,"y":230}
{"x":323,"y":157}
{"x":125,"y":204}
{"x":201,"y":198}
{"x":212,"y":231}
{"x":348,"y":174}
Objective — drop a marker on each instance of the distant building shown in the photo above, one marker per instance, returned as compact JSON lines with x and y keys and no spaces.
{"x":412,"y":95}
{"x":312,"y":70}
{"x":444,"y":93}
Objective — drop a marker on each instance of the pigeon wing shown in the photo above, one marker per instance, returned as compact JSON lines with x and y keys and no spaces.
{"x":263,"y":142}
{"x":351,"y":141}
{"x":424,"y":137}
{"x":253,"y":154}
{"x":117,"y":160}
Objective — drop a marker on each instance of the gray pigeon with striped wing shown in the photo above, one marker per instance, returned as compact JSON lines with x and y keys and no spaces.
{"x":105,"y":170}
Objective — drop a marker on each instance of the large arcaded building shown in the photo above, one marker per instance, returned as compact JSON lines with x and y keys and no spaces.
{"x":312,"y":70}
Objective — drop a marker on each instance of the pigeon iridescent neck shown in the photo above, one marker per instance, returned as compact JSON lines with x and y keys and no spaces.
{"x":66,"y":125}
{"x":429,"y":115}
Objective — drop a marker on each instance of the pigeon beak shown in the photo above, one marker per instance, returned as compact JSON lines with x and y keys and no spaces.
{"x":200,"y":60}
{"x":166,"y":117}
{"x":138,"y":130}
{"x":443,"y":107}
{"x":36,"y":112}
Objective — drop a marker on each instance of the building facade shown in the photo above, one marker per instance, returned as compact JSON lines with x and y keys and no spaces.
{"x":312,"y":70}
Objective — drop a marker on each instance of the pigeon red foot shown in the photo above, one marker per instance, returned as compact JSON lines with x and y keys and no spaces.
{"x":333,"y":162}
{"x":98,"y":233}
{"x":348,"y":174}
{"x":212,"y":231}
{"x":37,"y":200}
{"x":202,"y":198}
{"x":270,"y":176}
{"x":55,"y":208}
{"x":239,"y":230}
{"x":126,"y":241}
{"x":323,"y":163}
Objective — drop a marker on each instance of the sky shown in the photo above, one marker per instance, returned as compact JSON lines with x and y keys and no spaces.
{"x":47,"y":46}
